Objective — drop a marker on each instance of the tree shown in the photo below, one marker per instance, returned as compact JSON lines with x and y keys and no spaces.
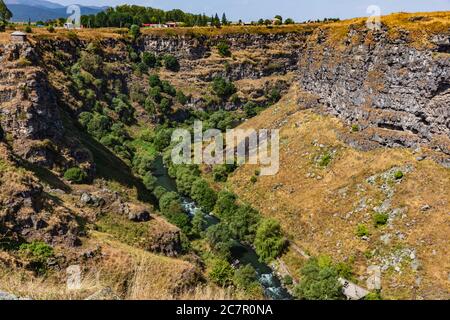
{"x":171,"y":63}
{"x":224,"y":49}
{"x":224,"y":19}
{"x":289,"y":21}
{"x":245,"y":277}
{"x":243,"y":224}
{"x":318,"y":282}
{"x":220,"y":239}
{"x":75,"y":175}
{"x":149,"y":59}
{"x":5,"y":13}
{"x":203,"y":195}
{"x":269,"y":241}
{"x":225,"y":204}
{"x":221,"y":272}
{"x":279,"y":19}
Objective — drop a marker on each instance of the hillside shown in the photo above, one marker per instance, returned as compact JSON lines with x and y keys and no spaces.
{"x":86,"y":121}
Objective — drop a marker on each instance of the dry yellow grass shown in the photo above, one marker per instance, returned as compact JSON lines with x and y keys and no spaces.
{"x":313,"y":212}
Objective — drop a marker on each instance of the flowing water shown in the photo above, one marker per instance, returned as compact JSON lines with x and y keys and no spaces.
{"x":241,"y":254}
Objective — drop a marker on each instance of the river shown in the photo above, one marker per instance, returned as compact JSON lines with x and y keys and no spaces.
{"x":241,"y":254}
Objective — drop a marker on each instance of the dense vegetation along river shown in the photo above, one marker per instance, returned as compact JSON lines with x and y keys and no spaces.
{"x":240,"y":253}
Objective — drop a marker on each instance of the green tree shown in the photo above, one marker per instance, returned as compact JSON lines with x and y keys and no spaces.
{"x":220,"y":239}
{"x":269,"y":241}
{"x":279,"y":19}
{"x":134,"y":31}
{"x":5,"y":13}
{"x":223,"y":88}
{"x":224,"y":19}
{"x":203,"y":195}
{"x":171,"y":63}
{"x":149,"y":59}
{"x":318,"y":282}
{"x":199,"y":223}
{"x":289,"y":21}
{"x":225,"y":204}
{"x":243,"y":224}
{"x":245,"y":277}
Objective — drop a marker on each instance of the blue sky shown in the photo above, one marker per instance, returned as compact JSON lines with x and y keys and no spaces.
{"x":297,"y":9}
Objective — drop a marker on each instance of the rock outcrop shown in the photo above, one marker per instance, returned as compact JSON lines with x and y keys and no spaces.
{"x":373,"y":81}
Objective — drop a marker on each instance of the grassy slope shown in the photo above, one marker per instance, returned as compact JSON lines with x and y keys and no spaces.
{"x":320,"y":216}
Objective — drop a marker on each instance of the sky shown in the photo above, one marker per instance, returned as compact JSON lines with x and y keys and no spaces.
{"x":299,"y":10}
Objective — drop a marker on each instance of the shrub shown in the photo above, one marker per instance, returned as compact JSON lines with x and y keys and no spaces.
{"x":250,"y":109}
{"x":221,"y":272}
{"x":269,"y":241}
{"x":287,"y":280}
{"x":243,"y":223}
{"x":225,"y":204}
{"x":355,"y":128}
{"x":75,"y":175}
{"x":203,"y":195}
{"x":253,"y":179}
{"x":171,"y":63}
{"x":362,"y":231}
{"x":51,"y":29}
{"x":199,"y":223}
{"x":373,"y":296}
{"x":134,"y":31}
{"x":149,"y":59}
{"x":220,"y":239}
{"x":165,"y":105}
{"x":37,"y":253}
{"x":223,"y":88}
{"x":245,"y":277}
{"x":181,"y":97}
{"x":28,"y":29}
{"x":220,"y":173}
{"x":155,"y":94}
{"x":168,"y":88}
{"x":274,"y":95}
{"x":159,"y":192}
{"x":149,"y":182}
{"x":154,"y":81}
{"x":318,"y":283}
{"x":380,"y":219}
{"x":325,"y":160}
{"x":398,"y":175}
{"x":224,"y":49}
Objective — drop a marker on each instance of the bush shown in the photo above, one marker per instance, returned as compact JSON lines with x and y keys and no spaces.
{"x":225,"y":204}
{"x":380,"y":219}
{"x":362,"y":231}
{"x":243,"y":223}
{"x":165,"y":105}
{"x":75,"y":175}
{"x":203,"y":195}
{"x":154,"y":81}
{"x":51,"y":29}
{"x":168,"y":88}
{"x":245,"y":277}
{"x":287,"y":280}
{"x":355,"y":128}
{"x":253,"y":179}
{"x":171,"y":63}
{"x":318,"y":283}
{"x":325,"y":160}
{"x":149,"y":182}
{"x":223,"y":88}
{"x":220,"y":239}
{"x":149,"y":59}
{"x":181,"y":97}
{"x":134,"y":31}
{"x":199,"y":223}
{"x":155,"y":94}
{"x":159,"y":192}
{"x":269,"y":241}
{"x":398,"y":175}
{"x":220,"y":173}
{"x":274,"y":95}
{"x":224,"y":49}
{"x":221,"y":272}
{"x":28,"y":29}
{"x":251,"y":109}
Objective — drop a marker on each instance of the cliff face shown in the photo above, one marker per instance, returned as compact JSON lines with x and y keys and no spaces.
{"x":373,"y":81}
